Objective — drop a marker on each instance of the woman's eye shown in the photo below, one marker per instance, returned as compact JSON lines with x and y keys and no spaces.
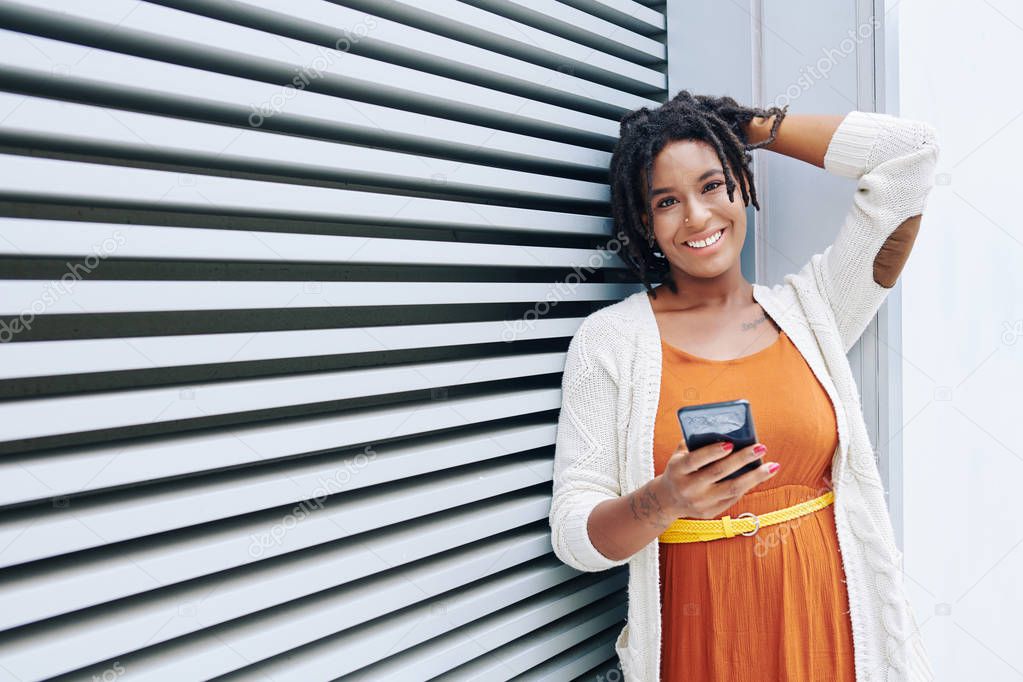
{"x":712,"y":185}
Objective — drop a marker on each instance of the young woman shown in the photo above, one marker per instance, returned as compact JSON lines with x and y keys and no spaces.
{"x":789,"y":571}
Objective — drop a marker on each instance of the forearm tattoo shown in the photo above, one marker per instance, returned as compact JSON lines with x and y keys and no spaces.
{"x":646,"y":507}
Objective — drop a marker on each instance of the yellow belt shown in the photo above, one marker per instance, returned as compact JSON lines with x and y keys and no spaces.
{"x":702,"y":530}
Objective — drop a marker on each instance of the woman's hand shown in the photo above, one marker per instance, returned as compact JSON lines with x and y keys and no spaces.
{"x":693,"y":492}
{"x":758,"y":128}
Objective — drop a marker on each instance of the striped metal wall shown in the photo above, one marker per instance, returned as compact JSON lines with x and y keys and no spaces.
{"x":286,"y":289}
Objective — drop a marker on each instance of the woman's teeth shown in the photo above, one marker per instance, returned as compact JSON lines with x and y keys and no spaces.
{"x":706,"y":242}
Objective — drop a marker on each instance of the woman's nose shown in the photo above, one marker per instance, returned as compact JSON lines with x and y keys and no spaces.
{"x":697,"y":215}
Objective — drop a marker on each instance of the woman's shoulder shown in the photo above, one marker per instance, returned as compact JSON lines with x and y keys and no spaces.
{"x":612,"y":328}
{"x":623,"y":313}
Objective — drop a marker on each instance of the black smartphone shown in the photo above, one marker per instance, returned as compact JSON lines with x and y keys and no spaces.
{"x":730,"y":420}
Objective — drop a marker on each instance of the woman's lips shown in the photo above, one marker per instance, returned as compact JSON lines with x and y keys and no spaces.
{"x":706,"y":249}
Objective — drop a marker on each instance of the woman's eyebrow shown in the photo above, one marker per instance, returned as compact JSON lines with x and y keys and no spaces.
{"x":706,"y":174}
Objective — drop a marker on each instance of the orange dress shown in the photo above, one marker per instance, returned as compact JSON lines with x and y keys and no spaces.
{"x":771,"y":606}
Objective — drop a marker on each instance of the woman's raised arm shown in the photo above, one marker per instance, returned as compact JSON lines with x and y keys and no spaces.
{"x":801,"y":136}
{"x":893,"y":161}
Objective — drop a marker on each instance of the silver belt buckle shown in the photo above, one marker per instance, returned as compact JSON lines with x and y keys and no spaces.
{"x":755,"y":518}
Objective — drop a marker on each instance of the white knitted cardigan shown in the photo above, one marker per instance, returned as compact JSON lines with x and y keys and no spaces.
{"x":611,"y":387}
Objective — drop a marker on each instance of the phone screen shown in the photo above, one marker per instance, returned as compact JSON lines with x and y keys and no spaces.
{"x":730,"y":420}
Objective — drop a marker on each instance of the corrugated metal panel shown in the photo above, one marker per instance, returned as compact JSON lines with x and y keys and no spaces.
{"x":287,"y":287}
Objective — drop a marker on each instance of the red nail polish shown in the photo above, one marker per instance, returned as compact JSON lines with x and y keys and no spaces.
{"x":773,"y":467}
{"x":726,"y":446}
{"x":760,"y":448}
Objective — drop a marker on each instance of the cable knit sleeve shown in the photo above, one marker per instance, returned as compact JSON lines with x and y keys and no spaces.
{"x":893,"y":160}
{"x":586,"y":448}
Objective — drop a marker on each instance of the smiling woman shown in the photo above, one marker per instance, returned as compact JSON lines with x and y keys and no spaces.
{"x":815,"y":597}
{"x":673,"y":180}
{"x":692,"y":220}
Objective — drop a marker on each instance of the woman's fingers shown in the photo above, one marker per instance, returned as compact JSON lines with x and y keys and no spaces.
{"x":688,"y":462}
{"x":693,"y":479}
{"x":736,"y":487}
{"x":730,"y":464}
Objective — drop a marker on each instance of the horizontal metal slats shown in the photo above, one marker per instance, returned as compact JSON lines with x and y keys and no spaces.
{"x":113,"y":79}
{"x":110,"y":296}
{"x":632,"y":15}
{"x":58,"y":474}
{"x":290,"y":625}
{"x":591,"y":659}
{"x":28,"y":419}
{"x":483,"y":639}
{"x":148,"y":30}
{"x":268,"y":573}
{"x":571,"y":633}
{"x":522,"y":43}
{"x":72,"y":182}
{"x":157,"y":509}
{"x":280,"y":364}
{"x":626,"y":37}
{"x":123,"y":136}
{"x":48,"y":358}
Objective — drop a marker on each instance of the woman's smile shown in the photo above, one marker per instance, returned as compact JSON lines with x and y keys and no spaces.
{"x":711,"y":244}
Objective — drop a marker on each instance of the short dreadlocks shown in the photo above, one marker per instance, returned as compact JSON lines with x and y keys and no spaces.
{"x":719,"y":121}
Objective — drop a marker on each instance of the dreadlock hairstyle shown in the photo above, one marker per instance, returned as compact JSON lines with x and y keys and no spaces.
{"x":719,"y":121}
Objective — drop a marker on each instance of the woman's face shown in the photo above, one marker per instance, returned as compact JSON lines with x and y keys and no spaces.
{"x":688,"y":182}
